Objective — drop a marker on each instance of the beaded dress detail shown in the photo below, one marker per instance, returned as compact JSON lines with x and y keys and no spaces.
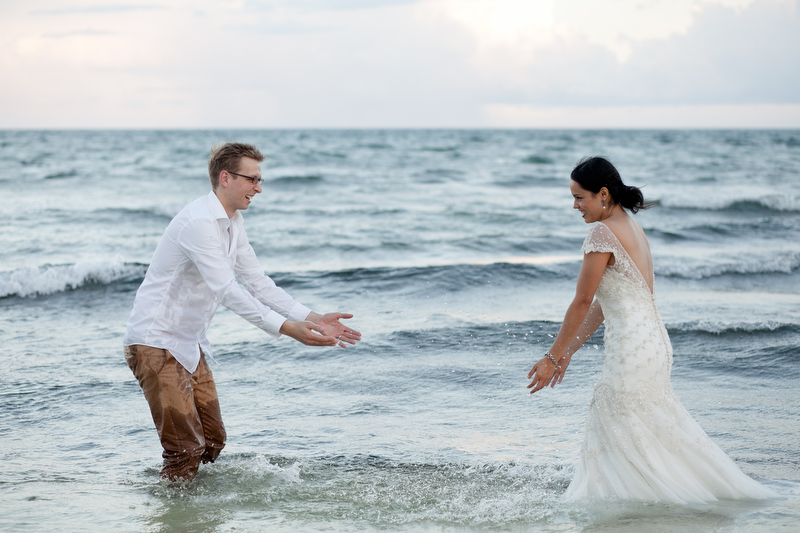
{"x":640,"y":443}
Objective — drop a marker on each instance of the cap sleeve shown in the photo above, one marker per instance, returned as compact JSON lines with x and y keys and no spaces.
{"x":600,"y":239}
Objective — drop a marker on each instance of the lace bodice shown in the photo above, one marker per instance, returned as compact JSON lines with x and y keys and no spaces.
{"x":638,"y":356}
{"x":602,"y":239}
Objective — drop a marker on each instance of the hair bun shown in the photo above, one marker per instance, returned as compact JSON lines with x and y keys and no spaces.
{"x":594,"y":173}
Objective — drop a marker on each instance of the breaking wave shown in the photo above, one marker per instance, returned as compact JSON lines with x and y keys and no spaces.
{"x":50,"y":279}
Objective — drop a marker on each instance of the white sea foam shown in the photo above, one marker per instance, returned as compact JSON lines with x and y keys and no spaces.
{"x":779,"y":263}
{"x":718,"y":327}
{"x":781,"y":203}
{"x":775,"y":202}
{"x":50,"y":279}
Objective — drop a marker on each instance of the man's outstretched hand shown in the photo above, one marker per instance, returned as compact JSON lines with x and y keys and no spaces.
{"x":321,"y":330}
{"x":308,"y":333}
{"x":331,"y":327}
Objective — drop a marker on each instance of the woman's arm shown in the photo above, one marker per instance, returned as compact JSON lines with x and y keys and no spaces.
{"x":590,"y":324}
{"x":594,"y":265}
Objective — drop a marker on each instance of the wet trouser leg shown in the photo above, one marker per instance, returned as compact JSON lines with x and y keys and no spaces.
{"x":185,"y":409}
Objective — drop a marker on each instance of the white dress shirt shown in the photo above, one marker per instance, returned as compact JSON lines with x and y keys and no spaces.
{"x":195,"y":268}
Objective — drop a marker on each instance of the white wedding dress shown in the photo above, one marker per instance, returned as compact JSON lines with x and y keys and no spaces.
{"x":640,"y":443}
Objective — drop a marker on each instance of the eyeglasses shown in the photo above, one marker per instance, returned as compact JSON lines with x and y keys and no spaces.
{"x":254,"y":181}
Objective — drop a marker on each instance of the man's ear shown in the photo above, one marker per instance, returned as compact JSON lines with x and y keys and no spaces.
{"x":224,"y":178}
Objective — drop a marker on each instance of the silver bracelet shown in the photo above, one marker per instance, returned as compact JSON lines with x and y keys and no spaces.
{"x":553,"y":359}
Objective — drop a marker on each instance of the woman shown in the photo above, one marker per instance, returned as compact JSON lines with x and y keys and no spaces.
{"x":639,"y":442}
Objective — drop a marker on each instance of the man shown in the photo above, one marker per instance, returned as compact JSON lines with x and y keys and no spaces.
{"x":204,"y":259}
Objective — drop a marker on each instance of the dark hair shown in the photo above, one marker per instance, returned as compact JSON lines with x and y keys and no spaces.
{"x":594,"y":173}
{"x":227,"y":157}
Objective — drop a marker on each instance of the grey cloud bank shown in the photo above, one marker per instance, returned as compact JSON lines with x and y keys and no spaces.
{"x":386,"y":64}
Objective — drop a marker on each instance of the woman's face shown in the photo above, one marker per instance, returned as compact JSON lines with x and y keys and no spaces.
{"x":588,"y":203}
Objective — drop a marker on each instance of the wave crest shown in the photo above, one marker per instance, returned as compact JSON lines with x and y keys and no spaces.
{"x":51,"y":279}
{"x":785,"y":263}
{"x":726,"y":328}
{"x":773,"y":202}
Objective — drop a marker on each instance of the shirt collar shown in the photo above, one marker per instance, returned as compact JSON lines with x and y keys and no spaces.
{"x":218,"y":211}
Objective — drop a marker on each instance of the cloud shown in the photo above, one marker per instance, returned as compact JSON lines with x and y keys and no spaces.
{"x":430,"y":63}
{"x":83,"y":10}
{"x":724,"y":56}
{"x":63,"y":35}
{"x":334,"y":4}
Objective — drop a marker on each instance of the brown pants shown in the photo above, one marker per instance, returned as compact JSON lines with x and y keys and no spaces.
{"x":184,"y":406}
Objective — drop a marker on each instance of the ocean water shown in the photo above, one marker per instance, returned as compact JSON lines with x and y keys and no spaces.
{"x":458,"y":253}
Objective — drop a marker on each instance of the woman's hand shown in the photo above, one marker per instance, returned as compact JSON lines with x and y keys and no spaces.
{"x":561,"y":369}
{"x":543,"y":372}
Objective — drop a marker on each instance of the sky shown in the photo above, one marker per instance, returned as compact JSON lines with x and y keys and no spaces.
{"x":399,"y":64}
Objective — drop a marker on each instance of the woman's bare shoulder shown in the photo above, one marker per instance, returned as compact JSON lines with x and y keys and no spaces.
{"x":628,"y":232}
